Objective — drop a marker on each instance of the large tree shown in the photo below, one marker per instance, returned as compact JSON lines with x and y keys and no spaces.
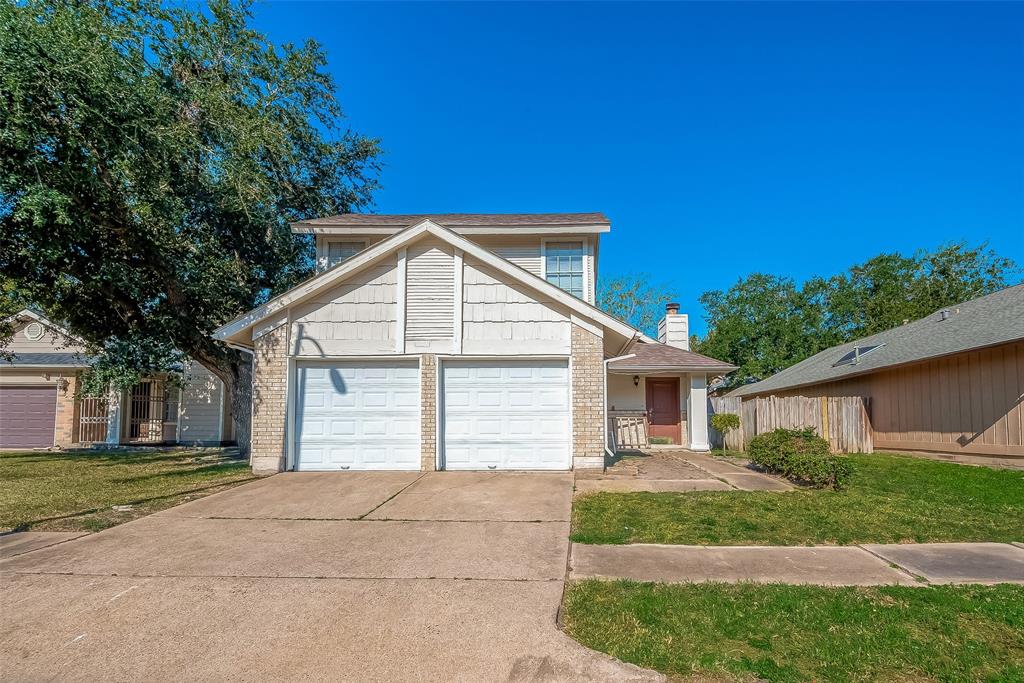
{"x":151,"y":157}
{"x":765,"y":323}
{"x":634,"y":299}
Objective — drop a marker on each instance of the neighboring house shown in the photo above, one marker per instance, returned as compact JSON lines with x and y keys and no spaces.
{"x":457,"y":341}
{"x":40,"y":408}
{"x":952,"y":382}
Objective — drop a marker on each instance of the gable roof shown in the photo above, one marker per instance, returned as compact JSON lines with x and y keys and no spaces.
{"x":459,"y":222}
{"x":29,"y":314}
{"x":647,"y":357}
{"x":994,"y":319}
{"x":381,"y":249}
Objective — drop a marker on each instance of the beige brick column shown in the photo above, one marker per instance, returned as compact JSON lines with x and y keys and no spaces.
{"x":269,"y":401}
{"x":64,"y":434}
{"x":587,"y":399}
{"x":428,"y":412}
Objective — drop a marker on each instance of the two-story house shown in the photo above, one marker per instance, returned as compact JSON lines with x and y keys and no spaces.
{"x":459,"y":341}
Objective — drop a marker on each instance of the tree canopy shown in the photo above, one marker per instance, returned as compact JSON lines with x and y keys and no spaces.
{"x":634,"y":299}
{"x":151,"y":157}
{"x":765,"y":323}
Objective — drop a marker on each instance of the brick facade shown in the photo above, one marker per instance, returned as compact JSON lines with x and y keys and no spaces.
{"x":428,"y":412}
{"x":269,"y":401}
{"x":65,"y":433}
{"x":587,"y":399}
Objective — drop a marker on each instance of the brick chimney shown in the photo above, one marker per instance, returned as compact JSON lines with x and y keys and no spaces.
{"x":674,"y":328}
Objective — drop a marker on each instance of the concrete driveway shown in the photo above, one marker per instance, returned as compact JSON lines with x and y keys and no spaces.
{"x":309,"y":576}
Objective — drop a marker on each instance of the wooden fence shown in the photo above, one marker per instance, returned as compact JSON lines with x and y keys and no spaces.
{"x":627,"y":429}
{"x":843,"y":420}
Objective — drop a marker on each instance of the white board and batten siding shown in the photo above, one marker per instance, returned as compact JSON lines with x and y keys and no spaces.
{"x":429,"y":298}
{"x":201,"y":409}
{"x":503,"y":319}
{"x":357,"y":317}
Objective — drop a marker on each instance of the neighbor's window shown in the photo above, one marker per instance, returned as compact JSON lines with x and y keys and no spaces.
{"x":342,"y":251}
{"x":563,"y":266}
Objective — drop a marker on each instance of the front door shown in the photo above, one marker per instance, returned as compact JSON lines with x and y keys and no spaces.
{"x":663,"y":408}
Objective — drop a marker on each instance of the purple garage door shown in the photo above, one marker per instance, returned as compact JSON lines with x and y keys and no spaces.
{"x":27,"y":416}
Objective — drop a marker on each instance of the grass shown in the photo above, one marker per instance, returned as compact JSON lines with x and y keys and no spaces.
{"x":891,"y":499}
{"x":75,"y":491}
{"x":804,"y":633}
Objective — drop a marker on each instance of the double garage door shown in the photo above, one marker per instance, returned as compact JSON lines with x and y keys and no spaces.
{"x":27,"y":416}
{"x":494,"y":414}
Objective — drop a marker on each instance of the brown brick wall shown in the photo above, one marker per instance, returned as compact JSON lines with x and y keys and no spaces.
{"x":587,"y":399}
{"x":428,"y":412}
{"x":64,"y":434}
{"x":269,"y":401}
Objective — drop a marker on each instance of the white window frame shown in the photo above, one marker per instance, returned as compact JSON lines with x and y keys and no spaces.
{"x":327,"y":250}
{"x":584,"y":251}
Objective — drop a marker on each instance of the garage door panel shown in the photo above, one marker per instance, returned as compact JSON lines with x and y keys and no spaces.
{"x":27,"y":416}
{"x":357,"y":415}
{"x":506,"y":414}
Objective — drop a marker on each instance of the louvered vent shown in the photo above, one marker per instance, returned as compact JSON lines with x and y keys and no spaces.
{"x":430,"y":293}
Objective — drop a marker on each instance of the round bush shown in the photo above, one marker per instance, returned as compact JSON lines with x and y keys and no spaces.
{"x":725,"y":422}
{"x":801,"y":455}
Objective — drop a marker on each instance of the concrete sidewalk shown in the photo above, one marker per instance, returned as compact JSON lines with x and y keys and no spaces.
{"x":868,"y":565}
{"x":675,"y":471}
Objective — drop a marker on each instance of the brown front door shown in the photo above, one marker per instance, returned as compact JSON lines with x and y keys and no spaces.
{"x":663,"y":407}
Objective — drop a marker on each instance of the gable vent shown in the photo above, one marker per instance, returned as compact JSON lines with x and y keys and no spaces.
{"x":430,"y":293}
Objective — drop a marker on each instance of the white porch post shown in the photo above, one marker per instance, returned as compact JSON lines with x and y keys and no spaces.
{"x":697,"y":414}
{"x":114,"y":417}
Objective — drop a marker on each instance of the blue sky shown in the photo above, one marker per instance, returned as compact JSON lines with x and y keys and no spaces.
{"x":721,"y":139}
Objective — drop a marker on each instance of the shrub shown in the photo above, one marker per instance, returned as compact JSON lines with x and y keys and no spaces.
{"x":802,"y":455}
{"x":725,"y":422}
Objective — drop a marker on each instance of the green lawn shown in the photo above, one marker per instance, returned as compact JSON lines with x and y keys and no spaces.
{"x":805,"y":633}
{"x":76,"y":491}
{"x":891,"y":499}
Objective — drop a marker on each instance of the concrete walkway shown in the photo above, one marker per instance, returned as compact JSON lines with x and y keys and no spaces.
{"x":676,"y":470}
{"x":867,"y":565}
{"x":305,"y":576}
{"x":21,"y":542}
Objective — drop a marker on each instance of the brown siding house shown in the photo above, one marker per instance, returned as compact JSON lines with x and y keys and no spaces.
{"x":951,"y":383}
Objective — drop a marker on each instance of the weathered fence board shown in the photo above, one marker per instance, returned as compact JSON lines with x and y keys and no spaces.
{"x":628,"y":429}
{"x":842,"y":420}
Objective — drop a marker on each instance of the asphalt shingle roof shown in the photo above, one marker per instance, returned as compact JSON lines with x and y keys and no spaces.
{"x":47,"y":359}
{"x":994,"y":319}
{"x":449,"y":220}
{"x":662,"y":357}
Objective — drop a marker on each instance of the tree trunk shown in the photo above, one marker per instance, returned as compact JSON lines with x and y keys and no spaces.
{"x":235,"y":371}
{"x":240,"y":387}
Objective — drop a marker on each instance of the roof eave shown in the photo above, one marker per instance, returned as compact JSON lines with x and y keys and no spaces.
{"x":387,"y":229}
{"x":719,"y":369}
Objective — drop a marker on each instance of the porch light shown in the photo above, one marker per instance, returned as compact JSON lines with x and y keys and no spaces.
{"x":636,"y":380}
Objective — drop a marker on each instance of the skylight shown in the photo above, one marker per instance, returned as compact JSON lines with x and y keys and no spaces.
{"x":854,"y":356}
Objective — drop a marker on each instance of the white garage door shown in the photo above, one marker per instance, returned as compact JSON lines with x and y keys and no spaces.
{"x":506,"y":415}
{"x":357,"y":415}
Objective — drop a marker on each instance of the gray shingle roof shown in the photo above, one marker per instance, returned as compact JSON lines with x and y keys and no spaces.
{"x":664,"y":358}
{"x":47,"y":359}
{"x":449,"y":220}
{"x":994,"y":319}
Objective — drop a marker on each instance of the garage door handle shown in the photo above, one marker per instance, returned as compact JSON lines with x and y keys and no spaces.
{"x":492,"y":467}
{"x":345,"y":467}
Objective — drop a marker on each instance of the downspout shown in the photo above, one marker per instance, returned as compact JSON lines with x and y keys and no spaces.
{"x":604,"y":423}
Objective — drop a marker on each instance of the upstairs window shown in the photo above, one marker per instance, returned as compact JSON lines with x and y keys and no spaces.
{"x":342,"y":251}
{"x":563,"y":266}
